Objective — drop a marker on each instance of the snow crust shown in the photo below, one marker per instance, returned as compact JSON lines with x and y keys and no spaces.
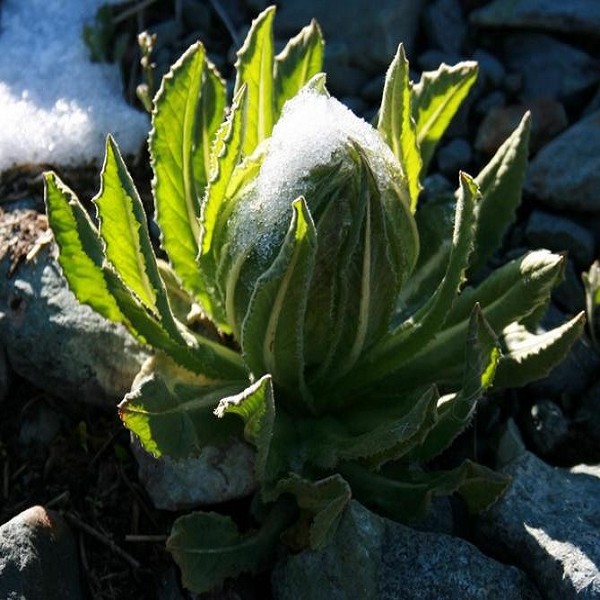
{"x":55,"y":105}
{"x":313,"y":130}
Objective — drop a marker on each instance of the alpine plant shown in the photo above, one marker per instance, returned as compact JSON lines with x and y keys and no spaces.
{"x":310,"y":304}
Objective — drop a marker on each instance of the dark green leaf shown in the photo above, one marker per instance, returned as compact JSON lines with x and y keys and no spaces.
{"x":208,"y":548}
{"x":420,"y":328}
{"x":500,"y":182}
{"x":454,"y":415}
{"x":324,"y":500}
{"x":272,"y":332}
{"x":406,"y":495}
{"x":376,"y":431}
{"x":528,"y":356}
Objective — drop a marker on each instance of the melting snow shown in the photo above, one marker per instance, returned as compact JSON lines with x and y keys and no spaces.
{"x":312,"y":128}
{"x":55,"y":105}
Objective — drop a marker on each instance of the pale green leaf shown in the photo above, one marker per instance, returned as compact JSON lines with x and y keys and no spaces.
{"x":255,"y":69}
{"x":296,"y":64}
{"x":256,"y":406}
{"x":81,"y":255}
{"x":591,"y":282}
{"x":95,"y":282}
{"x":188,"y":109}
{"x":128,"y":248}
{"x":272,"y":332}
{"x":217,"y":207}
{"x":435,"y":101}
{"x":171,"y":410}
{"x":500,"y":182}
{"x":529,"y":356}
{"x":397,"y":125}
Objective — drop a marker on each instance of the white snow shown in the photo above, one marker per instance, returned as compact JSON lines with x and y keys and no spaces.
{"x":55,"y":105}
{"x":312,"y":128}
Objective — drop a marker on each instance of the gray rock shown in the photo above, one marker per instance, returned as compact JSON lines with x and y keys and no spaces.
{"x":491,"y":70}
{"x":575,"y":16}
{"x":50,"y":339}
{"x":38,"y":557}
{"x":547,"y":426}
{"x":431,"y":59}
{"x":373,"y":558}
{"x":372,"y":35}
{"x":569,"y":294}
{"x":548,"y":119}
{"x":548,"y":521}
{"x":529,"y":54}
{"x":4,"y":375}
{"x":215,"y":475}
{"x":565,"y":174}
{"x":39,"y":424}
{"x":588,"y":414}
{"x":453,"y":156}
{"x":372,"y":91}
{"x":445,"y":25}
{"x":545,"y":230}
{"x":343,"y":79}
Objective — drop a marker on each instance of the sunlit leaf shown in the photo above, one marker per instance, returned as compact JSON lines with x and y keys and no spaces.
{"x":436,"y":99}
{"x":188,"y":110}
{"x":397,"y":125}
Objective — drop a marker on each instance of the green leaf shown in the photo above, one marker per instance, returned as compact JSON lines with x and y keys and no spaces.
{"x":296,"y":64}
{"x":324,"y":500}
{"x":421,"y":327}
{"x":272,"y":332}
{"x":171,"y":410}
{"x":510,"y":294}
{"x":591,"y":282}
{"x":482,"y":353}
{"x":500,"y":182}
{"x":397,"y":125}
{"x":217,"y":206}
{"x":256,"y":406}
{"x":435,"y":222}
{"x":208,"y":548}
{"x":81,"y":254}
{"x":254,"y":68}
{"x":128,"y":248}
{"x":436,"y":98}
{"x":405,"y":496}
{"x":375,"y":431}
{"x":94,"y":282}
{"x":188,"y":110}
{"x":528,"y":356}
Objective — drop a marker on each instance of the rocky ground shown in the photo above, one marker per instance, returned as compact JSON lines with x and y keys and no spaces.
{"x":62,"y":369}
